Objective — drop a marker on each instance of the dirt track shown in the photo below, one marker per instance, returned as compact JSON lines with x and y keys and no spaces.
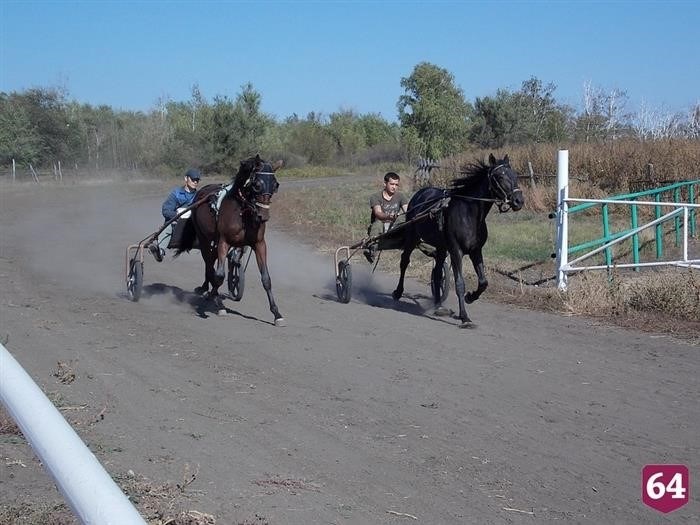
{"x":365,"y":413}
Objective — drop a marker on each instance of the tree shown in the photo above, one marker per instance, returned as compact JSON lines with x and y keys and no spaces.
{"x":653,"y":124}
{"x":237,"y":128}
{"x":197,"y":105}
{"x":543,"y":119}
{"x":525,"y":116}
{"x":382,"y":140}
{"x":377,"y":130}
{"x":347,"y":133}
{"x":494,"y":120}
{"x":19,"y":139}
{"x":252,"y":121}
{"x":44,"y":111}
{"x":603,"y":114}
{"x":308,"y":137}
{"x":435,"y":109}
{"x":694,"y":122}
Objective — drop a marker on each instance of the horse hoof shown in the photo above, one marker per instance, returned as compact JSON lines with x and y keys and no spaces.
{"x":467,"y":324}
{"x":396,"y":295}
{"x":222,"y":311}
{"x":280,"y":322}
{"x":200,"y":290}
{"x":469,"y":298}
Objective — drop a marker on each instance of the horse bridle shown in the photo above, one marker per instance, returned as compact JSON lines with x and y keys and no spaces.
{"x":253,"y":180}
{"x":256,"y":190}
{"x":504,"y":203}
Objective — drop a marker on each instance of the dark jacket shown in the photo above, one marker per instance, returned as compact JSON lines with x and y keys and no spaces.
{"x":178,"y":198}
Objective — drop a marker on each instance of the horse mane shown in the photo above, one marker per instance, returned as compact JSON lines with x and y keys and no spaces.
{"x":246,"y":167}
{"x":474,"y":175}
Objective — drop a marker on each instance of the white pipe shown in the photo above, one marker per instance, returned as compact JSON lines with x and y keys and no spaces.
{"x":685,"y":234}
{"x":88,"y":489}
{"x":692,"y":263}
{"x":640,"y":203}
{"x":562,"y":217}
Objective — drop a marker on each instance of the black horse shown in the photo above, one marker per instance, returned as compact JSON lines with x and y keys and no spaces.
{"x":460,"y":228}
{"x":239,"y":221}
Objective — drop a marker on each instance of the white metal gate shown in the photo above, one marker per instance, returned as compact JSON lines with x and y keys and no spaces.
{"x":566,"y":266}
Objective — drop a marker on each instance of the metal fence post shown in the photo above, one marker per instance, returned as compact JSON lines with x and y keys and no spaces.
{"x":691,"y":200}
{"x":562,"y":218}
{"x":606,"y":236}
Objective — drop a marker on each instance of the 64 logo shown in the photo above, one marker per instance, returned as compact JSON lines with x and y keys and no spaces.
{"x":665,"y":487}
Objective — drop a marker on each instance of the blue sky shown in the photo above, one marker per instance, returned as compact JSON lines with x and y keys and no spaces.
{"x":329,"y":55}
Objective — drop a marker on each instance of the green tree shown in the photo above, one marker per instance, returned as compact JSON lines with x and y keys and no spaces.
{"x":309,"y":138}
{"x":377,"y":130}
{"x":237,"y":129}
{"x":542,"y":118}
{"x":252,"y":121}
{"x":46,"y":111}
{"x":530,"y":115}
{"x":435,"y":109}
{"x":19,"y":139}
{"x":186,"y":140}
{"x":494,"y":120}
{"x":346,"y":131}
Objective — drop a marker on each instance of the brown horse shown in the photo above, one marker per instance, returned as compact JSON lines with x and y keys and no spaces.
{"x":240,"y":221}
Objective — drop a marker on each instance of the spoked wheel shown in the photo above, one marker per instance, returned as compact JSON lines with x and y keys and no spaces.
{"x":134,"y":281}
{"x":343,"y":283}
{"x":440,"y":281}
{"x":236,"y":274}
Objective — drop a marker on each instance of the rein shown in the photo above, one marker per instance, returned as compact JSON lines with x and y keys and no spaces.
{"x":246,"y":203}
{"x":502,"y":205}
{"x":191,"y":206}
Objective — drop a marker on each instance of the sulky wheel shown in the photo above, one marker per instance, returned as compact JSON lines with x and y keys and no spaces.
{"x":343,"y":283}
{"x":440,"y":282}
{"x":134,"y":281}
{"x":236,"y":274}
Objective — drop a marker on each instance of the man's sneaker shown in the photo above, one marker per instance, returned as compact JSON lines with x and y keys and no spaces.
{"x":369,"y":255}
{"x":156,"y":251}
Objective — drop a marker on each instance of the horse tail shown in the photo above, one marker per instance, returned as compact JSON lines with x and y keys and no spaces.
{"x":189,"y":236}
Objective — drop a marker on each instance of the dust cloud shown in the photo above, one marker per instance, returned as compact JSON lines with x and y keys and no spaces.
{"x":295,"y":265}
{"x":81,"y":245}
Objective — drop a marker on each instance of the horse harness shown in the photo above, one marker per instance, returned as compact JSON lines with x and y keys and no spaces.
{"x":503,"y":203}
{"x":247,"y":205}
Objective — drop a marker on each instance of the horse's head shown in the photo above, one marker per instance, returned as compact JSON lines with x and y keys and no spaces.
{"x":259,"y":183}
{"x":503,"y":184}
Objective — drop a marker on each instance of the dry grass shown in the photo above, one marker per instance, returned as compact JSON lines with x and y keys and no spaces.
{"x":64,"y":372}
{"x":614,"y":167}
{"x":666,"y":300}
{"x":8,"y":427}
{"x":158,"y":503}
{"x":37,"y":514}
{"x":163,"y":503}
{"x":675,"y":293}
{"x":166,"y":503}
